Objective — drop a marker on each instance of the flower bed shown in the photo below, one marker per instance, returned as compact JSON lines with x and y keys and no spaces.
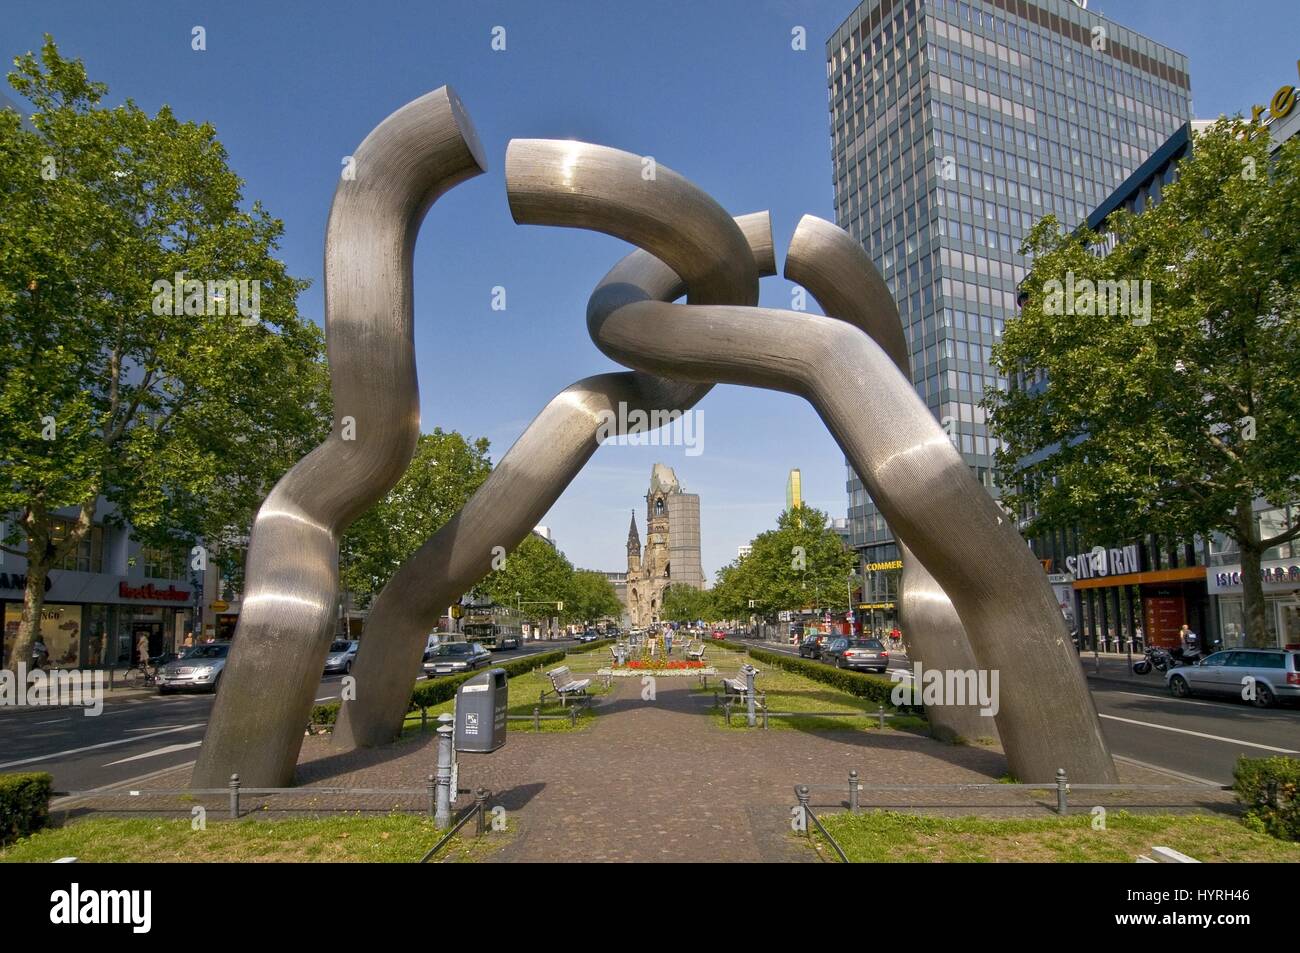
{"x":670,"y":664}
{"x":647,"y":668}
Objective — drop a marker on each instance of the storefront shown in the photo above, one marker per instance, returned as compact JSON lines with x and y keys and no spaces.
{"x":94,"y":620}
{"x":1124,"y":603}
{"x":1281,"y":580}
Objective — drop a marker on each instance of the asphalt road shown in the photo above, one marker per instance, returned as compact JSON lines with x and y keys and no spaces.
{"x":1197,"y":738}
{"x":131,"y":738}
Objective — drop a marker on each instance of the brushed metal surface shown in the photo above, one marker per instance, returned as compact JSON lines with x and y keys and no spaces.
{"x":835,"y":270}
{"x":287,"y":616}
{"x":713,"y":259}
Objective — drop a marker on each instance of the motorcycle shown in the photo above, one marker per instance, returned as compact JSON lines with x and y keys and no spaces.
{"x":1162,"y":660}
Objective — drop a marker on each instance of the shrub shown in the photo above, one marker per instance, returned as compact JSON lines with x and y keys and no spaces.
{"x":1270,"y":790}
{"x":24,"y":804}
{"x":874,"y":688}
{"x":590,"y":646}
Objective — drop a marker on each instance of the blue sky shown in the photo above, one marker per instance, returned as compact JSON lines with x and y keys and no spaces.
{"x":712,"y":90}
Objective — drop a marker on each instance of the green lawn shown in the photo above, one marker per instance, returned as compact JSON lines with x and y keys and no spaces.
{"x":893,"y":837}
{"x":524,"y":691}
{"x":788,"y":691}
{"x":392,"y":838}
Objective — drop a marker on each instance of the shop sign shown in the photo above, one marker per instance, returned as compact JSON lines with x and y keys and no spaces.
{"x":881,"y":567}
{"x":18,"y":581}
{"x":152,"y":592}
{"x":1228,"y":579}
{"x":1100,"y":561}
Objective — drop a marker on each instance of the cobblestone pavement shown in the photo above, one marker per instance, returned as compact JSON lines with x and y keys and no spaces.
{"x":659,"y":781}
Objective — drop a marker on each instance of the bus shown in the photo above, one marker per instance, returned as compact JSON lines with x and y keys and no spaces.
{"x":494,"y":627}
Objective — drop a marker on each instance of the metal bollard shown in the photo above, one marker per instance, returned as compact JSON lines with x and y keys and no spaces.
{"x":442,"y":812}
{"x":1062,"y":793}
{"x":573,"y":718}
{"x":881,"y":713}
{"x":424,"y":719}
{"x":537,"y":718}
{"x":234,"y":797}
{"x":431,"y":786}
{"x":802,"y":794}
{"x":480,"y":806}
{"x":750,"y":672}
{"x":853,"y":791}
{"x":764,"y":711}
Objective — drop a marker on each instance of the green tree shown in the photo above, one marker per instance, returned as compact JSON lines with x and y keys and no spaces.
{"x":444,"y":473}
{"x":800,"y":564}
{"x":591,"y":598}
{"x":183,"y":420}
{"x":536,"y":576}
{"x":683,"y":603}
{"x":1173,"y":422}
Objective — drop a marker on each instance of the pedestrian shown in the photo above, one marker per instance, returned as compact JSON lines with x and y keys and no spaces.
{"x":668,"y":642}
{"x":1189,"y":640}
{"x":40,"y":654}
{"x":189,"y":640}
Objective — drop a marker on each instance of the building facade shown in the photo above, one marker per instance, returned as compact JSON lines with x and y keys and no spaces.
{"x":954,"y":127}
{"x":104,"y":596}
{"x":671,"y":554}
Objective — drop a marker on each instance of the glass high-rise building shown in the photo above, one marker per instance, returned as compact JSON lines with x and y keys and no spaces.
{"x":954,"y":127}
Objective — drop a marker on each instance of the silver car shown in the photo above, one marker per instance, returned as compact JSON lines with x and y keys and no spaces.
{"x":197,"y":670}
{"x":343,"y":653}
{"x":1261,"y":676}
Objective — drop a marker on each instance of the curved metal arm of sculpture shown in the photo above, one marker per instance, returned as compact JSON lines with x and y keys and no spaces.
{"x":524,"y":485}
{"x":835,"y":270}
{"x":1046,"y":717}
{"x":416,"y":154}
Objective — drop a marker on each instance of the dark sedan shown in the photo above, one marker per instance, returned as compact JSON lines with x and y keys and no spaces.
{"x":450,"y":658}
{"x":811,"y":646}
{"x":856,"y":653}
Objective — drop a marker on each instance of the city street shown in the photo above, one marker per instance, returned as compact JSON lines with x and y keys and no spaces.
{"x":133,"y":737}
{"x":1197,"y":738}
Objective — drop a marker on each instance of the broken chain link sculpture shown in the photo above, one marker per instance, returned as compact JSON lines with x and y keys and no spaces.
{"x":851,"y":365}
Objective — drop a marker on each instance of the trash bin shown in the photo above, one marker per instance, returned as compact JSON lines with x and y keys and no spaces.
{"x":481,"y":712}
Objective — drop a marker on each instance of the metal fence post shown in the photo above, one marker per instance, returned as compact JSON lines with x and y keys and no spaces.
{"x":480,"y":805}
{"x":424,"y":719}
{"x":802,"y":794}
{"x":234,"y":797}
{"x":431,"y":785}
{"x":1062,"y":792}
{"x":537,"y":718}
{"x":853,"y":791}
{"x":573,"y":718}
{"x":442,"y":813}
{"x":750,"y":672}
{"x":881,"y":713}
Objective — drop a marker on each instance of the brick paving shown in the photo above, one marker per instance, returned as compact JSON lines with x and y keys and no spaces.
{"x":659,"y":781}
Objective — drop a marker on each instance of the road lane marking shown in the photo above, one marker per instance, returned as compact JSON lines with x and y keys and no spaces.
{"x":102,"y":744}
{"x":1197,"y":734}
{"x":1169,"y":771}
{"x":157,"y":751}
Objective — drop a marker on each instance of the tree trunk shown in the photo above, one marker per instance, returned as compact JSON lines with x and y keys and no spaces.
{"x":1252,"y":585}
{"x":38,"y":570}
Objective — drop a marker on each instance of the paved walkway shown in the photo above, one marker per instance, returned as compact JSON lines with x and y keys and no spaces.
{"x":654,"y":781}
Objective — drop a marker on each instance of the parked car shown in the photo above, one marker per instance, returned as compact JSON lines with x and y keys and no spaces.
{"x":811,"y":646}
{"x":856,"y":653}
{"x":343,"y":652}
{"x":450,"y":658}
{"x":719,"y":634}
{"x":197,"y":670}
{"x":1276,"y":674}
{"x":590,"y":635}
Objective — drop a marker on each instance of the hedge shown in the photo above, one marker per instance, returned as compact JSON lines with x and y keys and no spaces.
{"x":590,"y":646}
{"x":874,"y":688}
{"x":24,"y":804}
{"x":1270,"y":790}
{"x":438,"y":690}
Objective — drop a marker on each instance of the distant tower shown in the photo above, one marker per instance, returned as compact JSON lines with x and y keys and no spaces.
{"x":633,"y":548}
{"x":794,"y":490}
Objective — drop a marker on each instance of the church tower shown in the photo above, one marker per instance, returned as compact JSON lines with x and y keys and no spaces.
{"x":633,"y":548}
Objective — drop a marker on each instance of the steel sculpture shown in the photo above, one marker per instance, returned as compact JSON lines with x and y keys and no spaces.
{"x":286,"y":619}
{"x":1046,"y":717}
{"x":957,"y":536}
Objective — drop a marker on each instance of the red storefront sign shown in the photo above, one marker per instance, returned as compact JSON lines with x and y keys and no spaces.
{"x":1164,"y":614}
{"x":150,"y":591}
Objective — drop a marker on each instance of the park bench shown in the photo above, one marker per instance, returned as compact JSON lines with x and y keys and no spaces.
{"x":738,"y":685}
{"x":696,"y":654}
{"x":565,"y":685}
